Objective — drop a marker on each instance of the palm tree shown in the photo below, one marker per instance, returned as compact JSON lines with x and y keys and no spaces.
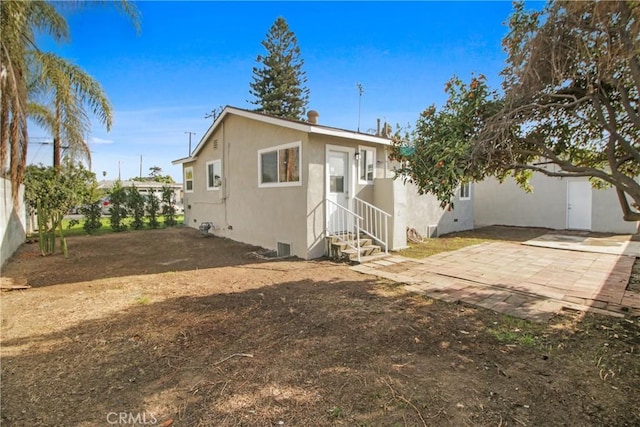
{"x":25,"y":72}
{"x":18,"y":22}
{"x":68,"y":88}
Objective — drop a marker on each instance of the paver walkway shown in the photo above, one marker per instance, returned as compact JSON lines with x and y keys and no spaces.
{"x":524,"y":281}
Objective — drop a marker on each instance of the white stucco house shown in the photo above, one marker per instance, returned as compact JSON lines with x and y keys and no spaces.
{"x":288,"y":185}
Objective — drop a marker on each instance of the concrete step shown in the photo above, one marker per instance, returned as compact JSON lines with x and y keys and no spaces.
{"x":376,"y":256}
{"x":344,"y":245}
{"x":352,"y":254}
{"x":339,"y":249}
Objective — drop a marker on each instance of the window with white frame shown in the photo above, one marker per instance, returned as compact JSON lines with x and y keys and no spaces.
{"x":366,"y":165}
{"x":279,"y":166}
{"x":188,"y":179}
{"x":465,"y":191}
{"x":214,"y":175}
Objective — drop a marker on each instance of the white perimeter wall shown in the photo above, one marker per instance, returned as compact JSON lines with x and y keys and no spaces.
{"x":12,"y":221}
{"x":546,"y":206}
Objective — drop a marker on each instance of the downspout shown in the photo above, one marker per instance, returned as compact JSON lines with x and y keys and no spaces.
{"x":225,"y":173}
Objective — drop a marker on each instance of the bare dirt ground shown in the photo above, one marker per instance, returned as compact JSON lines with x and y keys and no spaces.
{"x":167,"y":326}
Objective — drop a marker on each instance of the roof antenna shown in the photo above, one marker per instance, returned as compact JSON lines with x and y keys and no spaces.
{"x":360,"y":92}
{"x":214,"y":113}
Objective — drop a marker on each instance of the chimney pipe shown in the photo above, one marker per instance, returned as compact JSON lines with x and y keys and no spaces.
{"x":378,"y":129}
{"x":312,"y":117}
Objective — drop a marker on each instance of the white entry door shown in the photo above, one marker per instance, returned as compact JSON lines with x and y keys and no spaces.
{"x":578,"y":205}
{"x":338,"y":173}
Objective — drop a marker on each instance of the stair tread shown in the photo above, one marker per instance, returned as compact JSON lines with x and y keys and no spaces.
{"x":363,"y":242}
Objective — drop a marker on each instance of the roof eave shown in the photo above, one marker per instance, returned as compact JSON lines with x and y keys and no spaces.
{"x":350,"y":135}
{"x":184,"y":160}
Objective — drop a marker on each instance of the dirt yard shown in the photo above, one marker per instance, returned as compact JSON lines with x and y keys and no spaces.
{"x":167,"y":327}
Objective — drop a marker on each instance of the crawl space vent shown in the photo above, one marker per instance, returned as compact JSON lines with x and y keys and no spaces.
{"x":284,"y":249}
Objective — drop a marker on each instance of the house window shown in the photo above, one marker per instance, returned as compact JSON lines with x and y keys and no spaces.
{"x":214,"y":175}
{"x":465,"y":191}
{"x":366,"y":165}
{"x":188,"y":179}
{"x":279,"y":166}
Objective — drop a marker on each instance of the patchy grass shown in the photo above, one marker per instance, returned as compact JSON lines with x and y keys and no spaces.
{"x":459,"y":240}
{"x":510,"y":330}
{"x":143,"y":300}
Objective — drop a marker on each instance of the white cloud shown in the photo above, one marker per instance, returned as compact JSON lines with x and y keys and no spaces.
{"x":96,"y":140}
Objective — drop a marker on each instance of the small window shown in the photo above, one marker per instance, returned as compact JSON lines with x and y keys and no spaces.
{"x":279,"y":166}
{"x":366,"y":165}
{"x":188,"y":179}
{"x":214,"y":175}
{"x":465,"y":191}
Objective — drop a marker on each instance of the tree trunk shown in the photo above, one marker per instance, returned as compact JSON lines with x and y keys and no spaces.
{"x":57,"y":155}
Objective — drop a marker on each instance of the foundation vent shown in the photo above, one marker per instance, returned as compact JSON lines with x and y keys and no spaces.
{"x":284,"y":249}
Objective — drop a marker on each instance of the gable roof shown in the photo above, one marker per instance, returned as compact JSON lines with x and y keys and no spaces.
{"x":310,"y":128}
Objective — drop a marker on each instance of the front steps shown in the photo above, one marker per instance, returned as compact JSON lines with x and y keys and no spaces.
{"x":340,"y":250}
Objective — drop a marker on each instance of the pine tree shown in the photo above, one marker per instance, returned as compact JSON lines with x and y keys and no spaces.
{"x":278,"y":85}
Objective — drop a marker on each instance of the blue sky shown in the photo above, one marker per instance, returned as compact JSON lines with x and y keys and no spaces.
{"x":191,"y":57}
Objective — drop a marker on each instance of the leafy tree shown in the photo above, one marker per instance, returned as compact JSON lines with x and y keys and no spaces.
{"x":279,"y":83}
{"x":155,"y":171}
{"x":52,"y":192}
{"x":118,"y":206}
{"x":153,"y":207}
{"x":168,"y":206}
{"x":136,"y":202}
{"x":570,"y":106}
{"x":167,"y":179}
{"x":436,"y":153}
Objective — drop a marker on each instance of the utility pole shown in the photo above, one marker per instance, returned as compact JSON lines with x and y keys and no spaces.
{"x":360,"y":92}
{"x":190,"y":133}
{"x":140,"y":165}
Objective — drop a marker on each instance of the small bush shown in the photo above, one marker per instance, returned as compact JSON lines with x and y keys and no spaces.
{"x":168,"y":206}
{"x":153,"y":207}
{"x":118,"y":209}
{"x":136,"y":202}
{"x":92,"y":214}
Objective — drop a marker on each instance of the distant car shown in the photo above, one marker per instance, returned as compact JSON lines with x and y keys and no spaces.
{"x":74,"y":210}
{"x":106,"y":206}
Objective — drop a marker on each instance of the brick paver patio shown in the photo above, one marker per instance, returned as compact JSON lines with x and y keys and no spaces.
{"x":524,"y":281}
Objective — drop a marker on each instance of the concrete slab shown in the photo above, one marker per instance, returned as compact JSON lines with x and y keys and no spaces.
{"x":613,"y":244}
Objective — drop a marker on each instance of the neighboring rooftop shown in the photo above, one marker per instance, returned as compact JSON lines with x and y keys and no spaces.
{"x":104,"y":184}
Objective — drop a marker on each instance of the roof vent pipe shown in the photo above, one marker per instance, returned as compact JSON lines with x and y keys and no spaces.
{"x":378,"y":129}
{"x":312,"y":116}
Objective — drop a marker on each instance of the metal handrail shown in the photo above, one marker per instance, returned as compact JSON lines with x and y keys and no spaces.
{"x":375,"y":221}
{"x":344,"y":220}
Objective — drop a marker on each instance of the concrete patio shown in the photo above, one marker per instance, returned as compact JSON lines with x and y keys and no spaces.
{"x":524,"y":281}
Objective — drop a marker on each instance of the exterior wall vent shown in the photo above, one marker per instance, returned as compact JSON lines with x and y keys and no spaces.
{"x":215,"y":144}
{"x":284,"y":249}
